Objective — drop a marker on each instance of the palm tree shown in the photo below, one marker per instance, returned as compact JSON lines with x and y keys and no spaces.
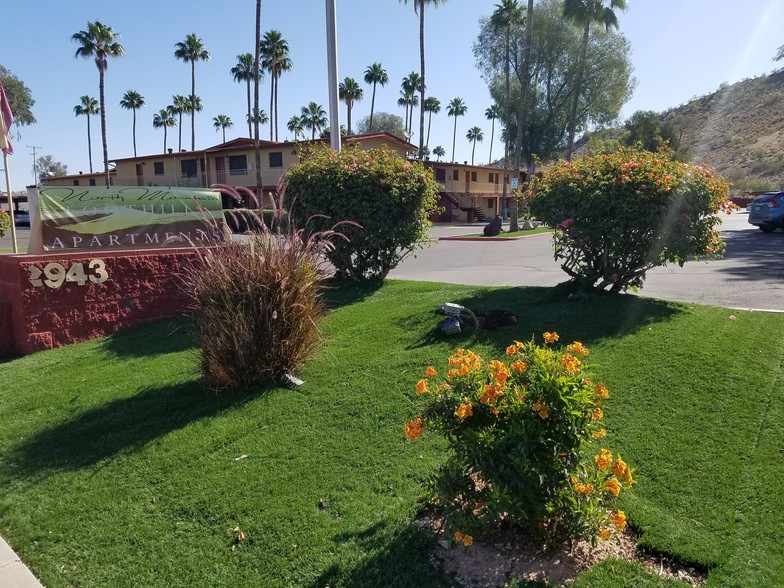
{"x":474,"y":134}
{"x":190,"y":51}
{"x":432,"y":106}
{"x":192,"y":106}
{"x":180,"y":105}
{"x":584,"y":13}
{"x":164,"y":119}
{"x":375,"y":74}
{"x":275,"y":59}
{"x":314,"y":117}
{"x":349,"y":92}
{"x":261,"y":118}
{"x":296,"y":126}
{"x":439,"y":152}
{"x":243,"y":72}
{"x":506,"y":15}
{"x":408,"y":89}
{"x":491,"y":114}
{"x":86,"y":107}
{"x":132,"y":100}
{"x":421,"y":9}
{"x":222,"y":122}
{"x":456,"y":108}
{"x":100,"y":42}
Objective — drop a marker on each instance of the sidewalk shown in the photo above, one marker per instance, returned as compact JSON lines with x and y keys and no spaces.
{"x":13,"y":573}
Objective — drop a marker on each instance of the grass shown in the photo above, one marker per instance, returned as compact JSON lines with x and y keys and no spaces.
{"x":507,"y":235}
{"x":119,"y":470}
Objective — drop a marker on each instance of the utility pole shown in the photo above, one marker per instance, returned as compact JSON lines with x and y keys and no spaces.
{"x":35,"y":164}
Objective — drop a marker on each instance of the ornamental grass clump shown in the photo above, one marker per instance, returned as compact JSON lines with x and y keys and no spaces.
{"x":618,"y":215}
{"x":257,"y":305}
{"x":521,"y":433}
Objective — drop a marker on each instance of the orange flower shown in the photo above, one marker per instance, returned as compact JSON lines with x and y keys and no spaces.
{"x":464,"y":411}
{"x":415,"y":428}
{"x":519,"y":366}
{"x":550,"y":337}
{"x":519,"y":344}
{"x":501,"y":376}
{"x":444,"y":386}
{"x":613,"y":486}
{"x":600,"y":434}
{"x":605,"y":534}
{"x":597,"y":414}
{"x":604,"y":459}
{"x":577,"y":348}
{"x":585,"y":489}
{"x":571,"y":364}
{"x":492,"y":393}
{"x":464,"y":370}
{"x":464,"y":538}
{"x":601,"y":391}
{"x":619,"y":520}
{"x":511,"y":350}
{"x":422,"y":387}
{"x":431,"y":371}
{"x":545,"y":412}
{"x":537,"y":405}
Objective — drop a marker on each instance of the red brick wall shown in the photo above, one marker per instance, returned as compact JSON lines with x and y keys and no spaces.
{"x":141,"y":287}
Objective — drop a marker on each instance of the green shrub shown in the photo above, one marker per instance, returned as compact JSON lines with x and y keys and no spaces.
{"x":5,"y":222}
{"x":257,"y":306}
{"x":618,"y":215}
{"x":387,"y":199}
{"x":518,"y":432}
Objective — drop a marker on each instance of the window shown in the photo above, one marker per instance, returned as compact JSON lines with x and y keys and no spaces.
{"x":238,"y":165}
{"x":491,"y":178}
{"x":92,"y":181}
{"x":489,"y":203}
{"x":76,"y":182}
{"x":276,"y":159}
{"x":440,"y":174}
{"x":188,"y":167}
{"x":158,"y":166}
{"x":455,"y":175}
{"x":473,"y":176}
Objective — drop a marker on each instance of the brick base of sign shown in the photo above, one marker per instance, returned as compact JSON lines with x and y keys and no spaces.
{"x":53,"y":300}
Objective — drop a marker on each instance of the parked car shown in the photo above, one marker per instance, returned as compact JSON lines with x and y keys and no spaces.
{"x":767,"y":211}
{"x":22,"y":219}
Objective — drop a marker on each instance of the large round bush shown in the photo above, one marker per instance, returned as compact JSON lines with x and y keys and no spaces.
{"x":618,"y":215}
{"x":388,"y":198}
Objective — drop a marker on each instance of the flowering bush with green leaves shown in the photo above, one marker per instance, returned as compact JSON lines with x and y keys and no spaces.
{"x":388,"y":200}
{"x":618,"y":215}
{"x":5,"y":222}
{"x":519,"y":432}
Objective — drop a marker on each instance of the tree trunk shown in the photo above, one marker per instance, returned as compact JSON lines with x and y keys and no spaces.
{"x":492,"y":133}
{"x":529,"y":23}
{"x":164,"y":138}
{"x":179,"y":137}
{"x":193,"y":105}
{"x":256,"y":145}
{"x":89,"y":144}
{"x":103,"y":127}
{"x":454,"y":138}
{"x":577,"y":85}
{"x":276,"y":109}
{"x":422,"y":87}
{"x":372,"y":107}
{"x":507,"y":107}
{"x":473,"y":149}
{"x":272,"y":100}
{"x":429,"y":120}
{"x":348,"y":115}
{"x":134,"y":132}
{"x":250,"y":116}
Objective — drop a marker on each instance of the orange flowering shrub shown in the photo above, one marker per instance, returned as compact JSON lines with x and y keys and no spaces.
{"x":618,"y":215}
{"x":5,"y":222}
{"x":519,"y":431}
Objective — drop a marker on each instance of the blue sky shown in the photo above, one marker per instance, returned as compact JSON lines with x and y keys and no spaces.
{"x":680,"y":49}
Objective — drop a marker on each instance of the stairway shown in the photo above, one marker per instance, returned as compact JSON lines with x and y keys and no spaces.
{"x":479,"y":216}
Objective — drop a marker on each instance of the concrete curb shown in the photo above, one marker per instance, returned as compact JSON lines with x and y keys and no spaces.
{"x":493,"y":239}
{"x":13,"y":573}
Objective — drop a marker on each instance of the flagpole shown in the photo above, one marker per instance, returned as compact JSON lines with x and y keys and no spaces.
{"x":10,"y":202}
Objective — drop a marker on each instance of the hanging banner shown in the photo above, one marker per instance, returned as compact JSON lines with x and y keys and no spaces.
{"x":128,"y":217}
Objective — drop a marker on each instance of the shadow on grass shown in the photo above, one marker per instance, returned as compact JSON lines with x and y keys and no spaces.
{"x":401,"y":561}
{"x":340,"y":293}
{"x":171,"y":335}
{"x":586,"y":319}
{"x":123,"y":425}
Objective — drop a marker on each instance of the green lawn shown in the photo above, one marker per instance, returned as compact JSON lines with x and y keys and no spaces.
{"x":507,"y":235}
{"x":119,"y":470}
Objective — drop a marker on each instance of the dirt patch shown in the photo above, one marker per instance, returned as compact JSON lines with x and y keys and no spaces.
{"x":508,"y":554}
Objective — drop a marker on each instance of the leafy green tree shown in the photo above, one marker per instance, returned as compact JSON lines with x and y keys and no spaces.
{"x":456,"y":107}
{"x":779,"y":54}
{"x":190,"y":51}
{"x":132,"y":100}
{"x":296,"y":126}
{"x":584,"y":13}
{"x":646,"y":129}
{"x":383,"y":122}
{"x":163,"y":119}
{"x":474,"y":134}
{"x":180,"y":105}
{"x":100,"y":42}
{"x":431,"y":106}
{"x":47,"y":167}
{"x":387,"y":200}
{"x":419,"y":6}
{"x":243,"y":72}
{"x":88,"y":107}
{"x":275,"y":59}
{"x":349,"y":92}
{"x":314,"y":117}
{"x":439,"y":152}
{"x":375,"y":75}
{"x":492,"y":113}
{"x":221,"y":123}
{"x":20,"y":99}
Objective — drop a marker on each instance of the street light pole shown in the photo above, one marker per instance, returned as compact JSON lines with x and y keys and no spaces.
{"x":332,"y":76}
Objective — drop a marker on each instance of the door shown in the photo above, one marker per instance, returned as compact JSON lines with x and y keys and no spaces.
{"x":140,"y":174}
{"x":220,"y":169}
